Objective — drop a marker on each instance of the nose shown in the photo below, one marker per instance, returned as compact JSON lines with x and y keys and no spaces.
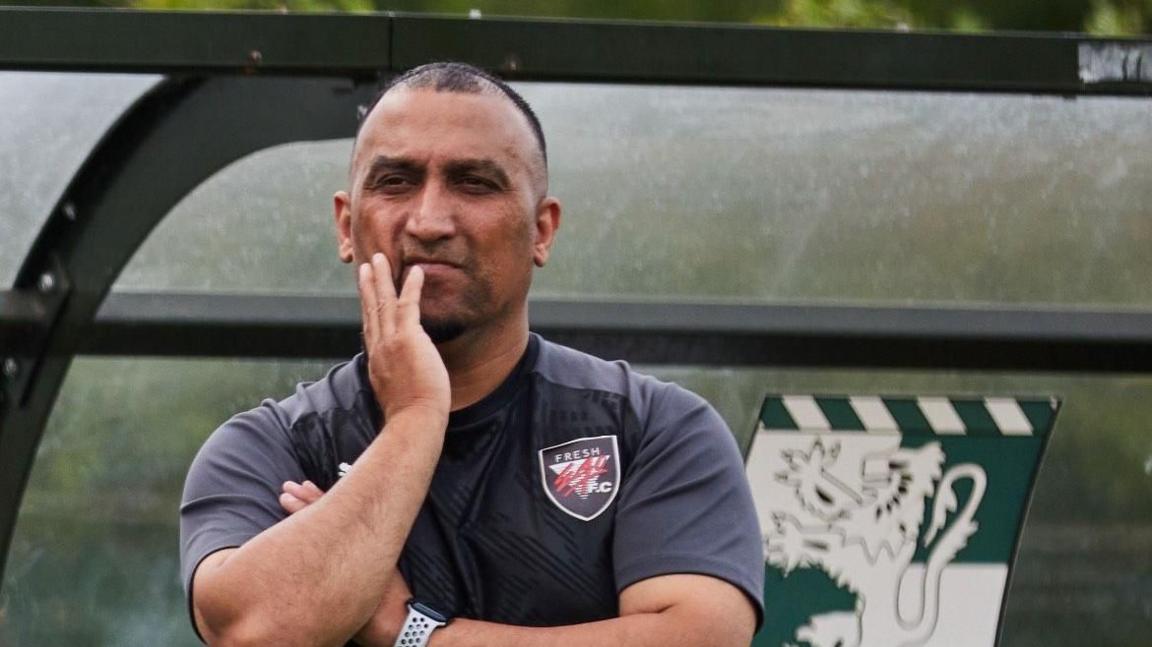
{"x":433,"y":216}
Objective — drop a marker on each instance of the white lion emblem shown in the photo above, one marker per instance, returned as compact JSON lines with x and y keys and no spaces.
{"x":854,"y":510}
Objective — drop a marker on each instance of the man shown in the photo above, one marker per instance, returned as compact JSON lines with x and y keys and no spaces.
{"x":538,"y":495}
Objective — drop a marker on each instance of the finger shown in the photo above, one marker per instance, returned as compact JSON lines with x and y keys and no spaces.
{"x":312,"y":490}
{"x":306,"y":491}
{"x":385,"y":293}
{"x":408,"y":305}
{"x":368,"y":313}
{"x":291,"y":504}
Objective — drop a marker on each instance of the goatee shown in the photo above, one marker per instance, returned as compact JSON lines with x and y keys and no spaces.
{"x":441,"y":331}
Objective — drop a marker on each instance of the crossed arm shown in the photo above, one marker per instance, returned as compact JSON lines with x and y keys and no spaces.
{"x":666,"y":611}
{"x":327,"y":573}
{"x":670,"y":610}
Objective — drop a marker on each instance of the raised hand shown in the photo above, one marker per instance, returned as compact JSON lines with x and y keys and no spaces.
{"x":404,"y":366}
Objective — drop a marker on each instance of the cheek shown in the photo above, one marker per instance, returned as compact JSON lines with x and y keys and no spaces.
{"x":371,"y":232}
{"x":511,"y":251}
{"x":519,"y":235}
{"x":516,"y":257}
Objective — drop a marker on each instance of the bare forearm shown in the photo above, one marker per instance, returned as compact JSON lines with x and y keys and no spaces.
{"x":319,"y":574}
{"x":639,"y":630}
{"x":677,"y":610}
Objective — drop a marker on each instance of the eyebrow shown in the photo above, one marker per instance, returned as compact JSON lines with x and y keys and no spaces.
{"x":482,"y":166}
{"x":383,"y":163}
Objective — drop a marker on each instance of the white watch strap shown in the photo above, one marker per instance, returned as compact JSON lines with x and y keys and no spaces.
{"x":418,"y":626}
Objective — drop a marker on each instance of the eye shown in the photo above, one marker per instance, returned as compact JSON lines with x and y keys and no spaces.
{"x":391,"y":183}
{"x":477,"y":184}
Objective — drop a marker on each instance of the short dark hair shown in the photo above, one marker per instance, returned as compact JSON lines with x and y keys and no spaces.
{"x":450,"y":76}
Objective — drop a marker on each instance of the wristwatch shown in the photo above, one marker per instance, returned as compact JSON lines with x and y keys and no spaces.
{"x":422,"y":620}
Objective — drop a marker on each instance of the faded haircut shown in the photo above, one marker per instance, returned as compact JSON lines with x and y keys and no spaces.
{"x":450,"y":76}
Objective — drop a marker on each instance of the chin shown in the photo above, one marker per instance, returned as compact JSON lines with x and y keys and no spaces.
{"x":442,"y":330}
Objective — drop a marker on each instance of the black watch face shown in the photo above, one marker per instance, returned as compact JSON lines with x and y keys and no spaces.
{"x":429,"y":611}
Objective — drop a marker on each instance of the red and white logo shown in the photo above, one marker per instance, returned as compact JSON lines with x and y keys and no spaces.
{"x":581,"y":476}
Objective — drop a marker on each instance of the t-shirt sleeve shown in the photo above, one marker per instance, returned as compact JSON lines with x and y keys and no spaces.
{"x":232,"y":490}
{"x":685,"y":505}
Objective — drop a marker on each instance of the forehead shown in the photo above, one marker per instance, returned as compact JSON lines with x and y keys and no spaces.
{"x":428,"y":125}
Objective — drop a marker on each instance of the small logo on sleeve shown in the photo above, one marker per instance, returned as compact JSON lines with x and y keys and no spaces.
{"x":581,"y":476}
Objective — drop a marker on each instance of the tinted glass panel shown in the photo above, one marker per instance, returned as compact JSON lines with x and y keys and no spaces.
{"x":48,"y":125}
{"x":94,"y":559}
{"x":754,"y":195}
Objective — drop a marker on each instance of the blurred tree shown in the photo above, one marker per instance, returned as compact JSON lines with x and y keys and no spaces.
{"x":1102,"y":17}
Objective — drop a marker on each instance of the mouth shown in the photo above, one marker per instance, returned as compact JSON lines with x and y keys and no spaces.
{"x":412,"y":261}
{"x":427,"y":264}
{"x":434,"y":269}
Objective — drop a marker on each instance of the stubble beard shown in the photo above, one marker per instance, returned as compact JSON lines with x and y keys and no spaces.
{"x":447,"y":326}
{"x":443,"y":327}
{"x":471,"y":311}
{"x":442,"y":330}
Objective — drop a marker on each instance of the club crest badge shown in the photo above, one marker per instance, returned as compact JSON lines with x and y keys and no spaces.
{"x":891,"y":521}
{"x":581,"y":476}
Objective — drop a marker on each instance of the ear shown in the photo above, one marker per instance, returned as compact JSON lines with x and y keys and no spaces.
{"x":547,"y":222}
{"x":342,"y":212}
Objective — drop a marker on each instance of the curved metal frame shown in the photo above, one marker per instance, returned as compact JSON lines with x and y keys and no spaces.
{"x":179,"y":134}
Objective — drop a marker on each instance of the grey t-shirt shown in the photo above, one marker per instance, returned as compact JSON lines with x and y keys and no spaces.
{"x":574,"y":479}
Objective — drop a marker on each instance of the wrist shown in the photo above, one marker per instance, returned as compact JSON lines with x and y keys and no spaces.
{"x":379,"y":632}
{"x":423,"y":621}
{"x":452,"y":635}
{"x":422,"y":416}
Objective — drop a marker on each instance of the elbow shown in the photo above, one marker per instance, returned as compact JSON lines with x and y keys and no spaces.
{"x":249,"y":639}
{"x":718,"y":628}
{"x":235,"y":620}
{"x":722,"y":635}
{"x":238,"y":635}
{"x":731,"y":631}
{"x":233,"y":629}
{"x":233,"y":610}
{"x":224,"y":624}
{"x":255,"y":633}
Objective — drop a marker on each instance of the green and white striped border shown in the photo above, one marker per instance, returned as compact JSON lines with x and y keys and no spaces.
{"x":925,"y":415}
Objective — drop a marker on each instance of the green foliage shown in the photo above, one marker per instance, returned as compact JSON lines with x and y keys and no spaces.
{"x":1119,"y":17}
{"x":1102,"y":17}
{"x":844,"y":13}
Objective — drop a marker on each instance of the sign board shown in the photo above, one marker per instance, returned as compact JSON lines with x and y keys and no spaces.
{"x":891,"y":521}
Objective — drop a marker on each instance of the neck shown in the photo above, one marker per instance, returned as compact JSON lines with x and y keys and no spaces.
{"x":479,"y":361}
